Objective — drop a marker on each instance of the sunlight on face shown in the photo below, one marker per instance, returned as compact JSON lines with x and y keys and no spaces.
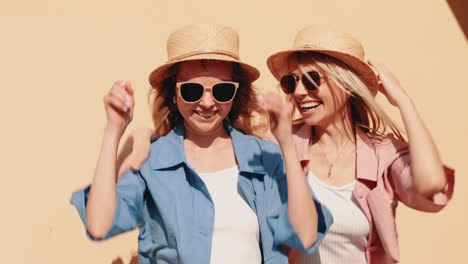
{"x":320,"y":106}
{"x":206,"y":115}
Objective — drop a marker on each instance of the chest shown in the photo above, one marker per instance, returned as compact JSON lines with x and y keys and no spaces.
{"x":181,"y":210}
{"x":335,"y":172}
{"x":210,"y":159}
{"x":232,"y":211}
{"x":349,"y":219}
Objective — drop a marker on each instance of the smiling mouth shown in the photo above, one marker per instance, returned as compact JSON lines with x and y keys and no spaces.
{"x":310,"y":105}
{"x":206,"y":115}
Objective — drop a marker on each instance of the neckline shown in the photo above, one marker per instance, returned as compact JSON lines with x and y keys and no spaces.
{"x":329,"y":186}
{"x":235,"y":168}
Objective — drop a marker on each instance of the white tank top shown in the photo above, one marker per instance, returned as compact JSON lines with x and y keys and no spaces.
{"x":347,"y":239}
{"x":236,"y":231}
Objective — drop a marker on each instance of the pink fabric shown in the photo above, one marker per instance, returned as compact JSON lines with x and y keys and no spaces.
{"x":383,"y":179}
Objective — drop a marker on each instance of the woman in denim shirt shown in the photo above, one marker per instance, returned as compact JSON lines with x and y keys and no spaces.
{"x":357,"y":162}
{"x":202,"y":107}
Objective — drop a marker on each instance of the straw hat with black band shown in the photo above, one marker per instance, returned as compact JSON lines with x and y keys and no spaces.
{"x":336,"y":44}
{"x":203,"y":42}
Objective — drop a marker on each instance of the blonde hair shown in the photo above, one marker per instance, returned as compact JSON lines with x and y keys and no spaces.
{"x":366,"y":114}
{"x":245,"y":115}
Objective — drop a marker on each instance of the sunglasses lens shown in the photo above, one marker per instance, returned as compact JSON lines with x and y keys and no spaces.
{"x":288,"y":83}
{"x":191,"y":92}
{"x":311,"y":80}
{"x":224,"y":92}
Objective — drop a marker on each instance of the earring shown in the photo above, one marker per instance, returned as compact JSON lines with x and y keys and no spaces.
{"x":174,"y":100}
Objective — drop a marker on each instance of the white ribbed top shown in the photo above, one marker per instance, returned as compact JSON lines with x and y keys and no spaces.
{"x":347,"y":239}
{"x":236,"y":232}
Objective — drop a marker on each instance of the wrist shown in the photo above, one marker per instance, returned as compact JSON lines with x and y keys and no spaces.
{"x":404,"y":101}
{"x":285,"y":140}
{"x":113,"y":131}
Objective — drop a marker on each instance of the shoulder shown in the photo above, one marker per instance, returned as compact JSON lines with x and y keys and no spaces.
{"x":166,"y":151}
{"x":272,"y":157}
{"x":387,"y":143}
{"x":257,"y":153}
{"x":255,"y":143}
{"x":388,"y":148}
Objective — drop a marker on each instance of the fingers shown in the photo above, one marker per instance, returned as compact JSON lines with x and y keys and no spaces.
{"x":122,"y":94}
{"x":115,"y":102}
{"x":130,"y":103}
{"x":275,"y":104}
{"x":272,"y":102}
{"x":378,"y":66}
{"x":374,"y":63}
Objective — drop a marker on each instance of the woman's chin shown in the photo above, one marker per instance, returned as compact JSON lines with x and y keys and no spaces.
{"x":204,"y":127}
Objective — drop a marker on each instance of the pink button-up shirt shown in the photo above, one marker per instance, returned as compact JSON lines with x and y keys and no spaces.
{"x":383,"y":178}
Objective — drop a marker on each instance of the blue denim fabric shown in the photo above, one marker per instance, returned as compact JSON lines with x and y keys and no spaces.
{"x":173,"y":209}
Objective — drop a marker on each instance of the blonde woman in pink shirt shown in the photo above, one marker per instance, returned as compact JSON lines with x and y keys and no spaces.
{"x":356,"y":159}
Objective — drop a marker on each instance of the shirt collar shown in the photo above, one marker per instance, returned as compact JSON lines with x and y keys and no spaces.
{"x":366,"y":159}
{"x":169,"y":150}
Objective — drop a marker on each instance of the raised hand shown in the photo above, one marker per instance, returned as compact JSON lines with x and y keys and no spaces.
{"x":390,"y":86}
{"x":119,"y":104}
{"x":280,"y":115}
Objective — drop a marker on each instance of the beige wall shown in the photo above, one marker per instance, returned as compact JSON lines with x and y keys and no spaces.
{"x":58,"y":58}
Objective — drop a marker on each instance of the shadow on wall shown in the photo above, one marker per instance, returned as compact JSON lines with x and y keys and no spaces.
{"x":133,"y":260}
{"x":460,"y":11}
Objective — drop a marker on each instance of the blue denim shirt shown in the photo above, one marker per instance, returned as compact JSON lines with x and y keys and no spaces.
{"x":173,"y":209}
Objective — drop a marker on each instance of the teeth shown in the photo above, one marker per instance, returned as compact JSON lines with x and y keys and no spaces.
{"x":205,"y":115}
{"x":310,"y":105}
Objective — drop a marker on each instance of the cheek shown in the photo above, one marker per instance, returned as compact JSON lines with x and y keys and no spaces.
{"x":334,"y":100}
{"x":184,"y":107}
{"x":224,"y":109}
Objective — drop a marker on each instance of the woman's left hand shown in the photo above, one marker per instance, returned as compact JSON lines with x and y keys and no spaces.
{"x":280,"y":115}
{"x":389,"y":84}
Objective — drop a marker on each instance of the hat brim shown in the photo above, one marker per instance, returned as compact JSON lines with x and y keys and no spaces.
{"x":364,"y":70}
{"x":159,"y":74}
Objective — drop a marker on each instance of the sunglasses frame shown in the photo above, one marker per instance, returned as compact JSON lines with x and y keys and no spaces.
{"x":179,"y":84}
{"x":300,"y":78}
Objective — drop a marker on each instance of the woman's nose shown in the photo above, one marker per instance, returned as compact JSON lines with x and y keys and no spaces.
{"x":300,"y":90}
{"x":207,"y":99}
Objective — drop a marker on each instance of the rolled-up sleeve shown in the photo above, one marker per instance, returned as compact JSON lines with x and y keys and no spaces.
{"x":280,"y":224}
{"x":128,"y":212}
{"x":400,"y":173}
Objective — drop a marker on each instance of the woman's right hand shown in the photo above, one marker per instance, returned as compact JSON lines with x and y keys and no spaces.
{"x":119,"y":104}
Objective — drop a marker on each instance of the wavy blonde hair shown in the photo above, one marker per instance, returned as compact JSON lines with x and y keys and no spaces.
{"x":366,"y":113}
{"x":245,"y":115}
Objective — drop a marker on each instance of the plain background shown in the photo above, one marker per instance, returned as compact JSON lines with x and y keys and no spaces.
{"x":58,"y":59}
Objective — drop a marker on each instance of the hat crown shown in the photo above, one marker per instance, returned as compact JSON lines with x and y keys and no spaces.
{"x":198,"y":39}
{"x":318,"y":37}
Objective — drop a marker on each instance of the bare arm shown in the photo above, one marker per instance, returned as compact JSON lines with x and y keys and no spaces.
{"x":102,"y":196}
{"x":301,"y":206}
{"x":426,"y":166}
{"x":427,"y":170}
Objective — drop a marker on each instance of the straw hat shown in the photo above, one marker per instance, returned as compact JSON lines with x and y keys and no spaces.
{"x":338,"y":45}
{"x":203,"y":42}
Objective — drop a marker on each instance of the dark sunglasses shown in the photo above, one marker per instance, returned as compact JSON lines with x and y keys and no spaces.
{"x":222,"y":92}
{"x":311,"y":81}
